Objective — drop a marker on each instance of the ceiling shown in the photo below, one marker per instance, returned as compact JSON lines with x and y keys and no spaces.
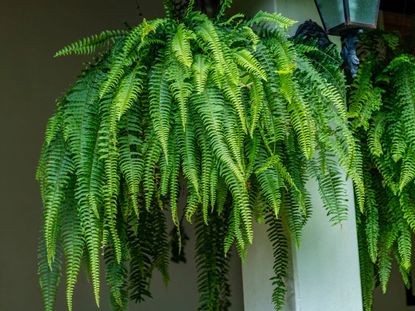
{"x":398,"y":6}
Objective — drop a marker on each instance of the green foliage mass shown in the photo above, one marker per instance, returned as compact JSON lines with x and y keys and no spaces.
{"x":221,"y":122}
{"x":382,"y":112}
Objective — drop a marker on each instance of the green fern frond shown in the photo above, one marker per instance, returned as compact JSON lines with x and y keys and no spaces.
{"x":207,"y":33}
{"x":233,"y":136}
{"x":406,"y":204}
{"x":139,"y":34}
{"x":181,"y":45}
{"x":200,"y":70}
{"x":131,"y":157}
{"x":53,"y":127}
{"x":375,"y":134}
{"x":109,"y":153}
{"x":385,"y":268}
{"x":270,"y":188}
{"x":160,"y":106}
{"x":128,"y":91}
{"x":233,"y":94}
{"x":168,"y":8}
{"x":181,"y":89}
{"x":210,"y":106}
{"x":257,"y":99}
{"x":90,"y":44}
{"x":224,"y":5}
{"x":275,"y":161}
{"x":160,"y":244}
{"x":174,"y":176}
{"x":81,"y":127}
{"x":331,"y":186}
{"x":279,"y":242}
{"x":248,"y":62}
{"x":399,"y":141}
{"x":141,"y":261}
{"x":192,"y":205}
{"x":367,"y":274}
{"x":49,"y":275}
{"x":372,"y":227}
{"x":293,"y":216}
{"x":113,"y":77}
{"x":190,"y":158}
{"x":302,"y":123}
{"x":212,"y":266}
{"x":273,"y":19}
{"x":91,"y":230}
{"x":407,"y":170}
{"x":152,"y":158}
{"x":57,"y":179}
{"x":207,"y":166}
{"x":190,"y":6}
{"x":404,"y":245}
{"x":116,"y":278}
{"x":365,"y":98}
{"x":124,"y":55}
{"x":73,"y":247}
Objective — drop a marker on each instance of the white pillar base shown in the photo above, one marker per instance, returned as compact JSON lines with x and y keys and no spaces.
{"x":325,"y":273}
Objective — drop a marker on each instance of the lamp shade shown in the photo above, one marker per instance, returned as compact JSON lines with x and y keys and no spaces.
{"x":340,"y":15}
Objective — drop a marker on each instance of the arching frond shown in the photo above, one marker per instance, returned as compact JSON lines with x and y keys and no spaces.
{"x":181,"y":45}
{"x":160,"y":106}
{"x":90,"y":44}
{"x":224,"y":5}
{"x":73,"y":248}
{"x":49,"y":276}
{"x":279,"y":242}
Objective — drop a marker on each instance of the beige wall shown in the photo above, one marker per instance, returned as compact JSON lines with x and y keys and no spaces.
{"x":30,"y":79}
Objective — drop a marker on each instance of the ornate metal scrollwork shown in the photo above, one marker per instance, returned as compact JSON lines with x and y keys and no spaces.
{"x":311,"y":31}
{"x":348,"y":53}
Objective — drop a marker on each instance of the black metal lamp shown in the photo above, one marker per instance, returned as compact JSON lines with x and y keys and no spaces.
{"x":346,"y":18}
{"x":339,"y":16}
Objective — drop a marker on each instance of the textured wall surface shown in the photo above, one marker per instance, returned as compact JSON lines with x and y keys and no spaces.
{"x":30,"y":80}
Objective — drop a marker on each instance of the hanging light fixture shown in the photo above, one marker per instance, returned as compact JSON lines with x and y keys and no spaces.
{"x":340,"y":16}
{"x":346,"y":18}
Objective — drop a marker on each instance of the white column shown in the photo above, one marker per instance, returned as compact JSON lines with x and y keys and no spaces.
{"x":256,"y":274}
{"x":326,"y":265}
{"x":325,"y":268}
{"x":324,"y":272}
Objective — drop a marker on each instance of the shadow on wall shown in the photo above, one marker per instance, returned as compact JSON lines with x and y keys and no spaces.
{"x":31,"y":79}
{"x":395,"y":298}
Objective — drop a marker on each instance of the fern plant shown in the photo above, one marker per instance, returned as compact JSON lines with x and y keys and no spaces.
{"x":230,"y":114}
{"x":383,"y":118}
